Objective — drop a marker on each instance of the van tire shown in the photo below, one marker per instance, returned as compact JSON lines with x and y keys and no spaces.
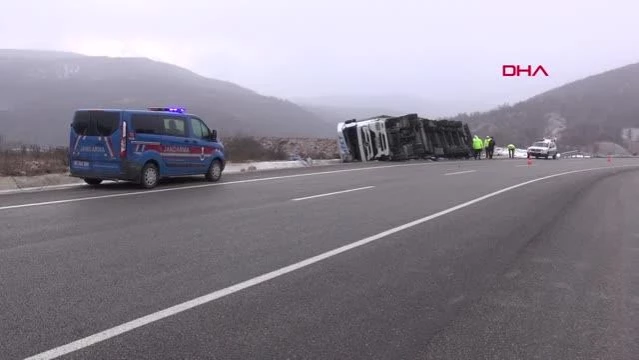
{"x":92,"y":181}
{"x":149,"y":176}
{"x":214,"y":173}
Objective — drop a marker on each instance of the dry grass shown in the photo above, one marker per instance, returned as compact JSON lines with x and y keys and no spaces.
{"x":33,"y":160}
{"x":240,"y":149}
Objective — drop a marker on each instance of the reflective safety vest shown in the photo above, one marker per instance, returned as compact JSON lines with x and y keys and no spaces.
{"x":477,"y":143}
{"x":511,"y":146}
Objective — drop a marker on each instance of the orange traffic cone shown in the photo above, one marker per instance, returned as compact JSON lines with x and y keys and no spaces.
{"x":529,"y":161}
{"x":609,"y":159}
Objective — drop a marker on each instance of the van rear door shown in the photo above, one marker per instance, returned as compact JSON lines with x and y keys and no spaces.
{"x":80,"y":157}
{"x":107,"y":124}
{"x":94,"y":142}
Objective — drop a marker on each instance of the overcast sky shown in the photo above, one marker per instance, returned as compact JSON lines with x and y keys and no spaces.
{"x":448,"y":50}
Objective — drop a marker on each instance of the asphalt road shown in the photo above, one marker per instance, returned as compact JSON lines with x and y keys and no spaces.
{"x":546,"y":270}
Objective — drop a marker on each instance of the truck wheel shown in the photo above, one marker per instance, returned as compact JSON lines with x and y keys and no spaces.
{"x":92,"y":181}
{"x":215,"y":171}
{"x":150,"y":176}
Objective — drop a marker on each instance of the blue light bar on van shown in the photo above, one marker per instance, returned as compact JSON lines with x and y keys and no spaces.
{"x":169,"y":109}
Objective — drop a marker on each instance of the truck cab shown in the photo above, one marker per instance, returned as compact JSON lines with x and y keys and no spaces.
{"x":364,"y":140}
{"x":545,"y":148}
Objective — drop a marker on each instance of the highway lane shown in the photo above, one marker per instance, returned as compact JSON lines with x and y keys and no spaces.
{"x":110,"y":188}
{"x":572,"y":293}
{"x":67,"y":280}
{"x":357,"y":169}
{"x":516,"y":295}
{"x":37,"y":195}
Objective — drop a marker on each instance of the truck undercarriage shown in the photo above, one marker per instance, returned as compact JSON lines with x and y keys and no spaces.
{"x":403,"y":138}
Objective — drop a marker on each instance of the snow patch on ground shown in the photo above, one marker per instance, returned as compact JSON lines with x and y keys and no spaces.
{"x":273,"y":165}
{"x":503,"y":153}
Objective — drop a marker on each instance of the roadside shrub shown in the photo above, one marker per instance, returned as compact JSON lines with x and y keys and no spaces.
{"x":245,"y":148}
{"x":33,"y":160}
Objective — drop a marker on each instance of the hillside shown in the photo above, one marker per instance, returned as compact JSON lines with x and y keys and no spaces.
{"x":581,"y":113}
{"x":41,"y":89}
{"x":334,"y":109}
{"x":335,"y":114}
{"x":370,"y":105}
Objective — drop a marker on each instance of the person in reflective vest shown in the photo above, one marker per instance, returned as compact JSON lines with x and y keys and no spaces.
{"x":478,"y":146}
{"x":511,"y":151}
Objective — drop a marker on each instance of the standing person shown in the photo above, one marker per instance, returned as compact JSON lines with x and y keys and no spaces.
{"x":491,"y":147}
{"x":478,"y":145}
{"x":486,"y":143}
{"x":511,"y":151}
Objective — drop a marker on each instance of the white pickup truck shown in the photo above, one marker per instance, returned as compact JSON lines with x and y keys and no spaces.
{"x":545,"y":148}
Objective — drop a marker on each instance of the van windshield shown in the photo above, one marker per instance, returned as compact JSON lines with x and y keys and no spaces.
{"x":540,"y":144}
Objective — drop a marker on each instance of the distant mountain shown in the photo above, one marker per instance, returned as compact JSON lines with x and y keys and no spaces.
{"x":41,"y":89}
{"x":335,"y":114}
{"x":579,"y":114}
{"x":338,"y":108}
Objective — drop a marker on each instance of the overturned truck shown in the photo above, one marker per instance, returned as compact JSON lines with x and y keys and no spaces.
{"x":397,"y":138}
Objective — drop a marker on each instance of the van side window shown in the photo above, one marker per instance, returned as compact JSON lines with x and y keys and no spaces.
{"x":197,"y":128}
{"x":200,"y":130}
{"x":147,"y":124}
{"x":174,"y":126}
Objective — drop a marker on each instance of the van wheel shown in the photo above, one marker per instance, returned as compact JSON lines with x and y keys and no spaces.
{"x":150,"y":176}
{"x":92,"y":181}
{"x":215,"y":171}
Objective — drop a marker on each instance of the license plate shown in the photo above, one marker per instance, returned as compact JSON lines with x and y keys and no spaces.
{"x":80,"y":163}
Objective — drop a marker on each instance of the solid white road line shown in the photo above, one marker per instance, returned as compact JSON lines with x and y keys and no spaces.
{"x":39,"y":188}
{"x":176,"y":309}
{"x":144,"y":192}
{"x":332,"y":193}
{"x":49,"y":187}
{"x":460,"y":172}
